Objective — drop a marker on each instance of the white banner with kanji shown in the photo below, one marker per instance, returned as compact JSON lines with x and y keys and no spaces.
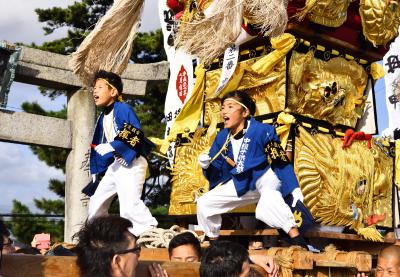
{"x":391,"y":63}
{"x":181,"y":66}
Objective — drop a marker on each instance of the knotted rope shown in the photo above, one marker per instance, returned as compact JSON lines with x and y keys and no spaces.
{"x":284,"y":257}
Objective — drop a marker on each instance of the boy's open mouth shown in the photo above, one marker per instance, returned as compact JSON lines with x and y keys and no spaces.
{"x":96,"y":97}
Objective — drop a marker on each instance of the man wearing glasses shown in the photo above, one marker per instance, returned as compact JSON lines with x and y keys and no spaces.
{"x":106,"y":248}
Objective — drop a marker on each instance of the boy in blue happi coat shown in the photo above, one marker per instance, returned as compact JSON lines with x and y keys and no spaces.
{"x":239,"y":172}
{"x":119,"y":154}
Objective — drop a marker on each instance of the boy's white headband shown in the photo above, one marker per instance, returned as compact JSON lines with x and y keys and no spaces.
{"x":240,"y":103}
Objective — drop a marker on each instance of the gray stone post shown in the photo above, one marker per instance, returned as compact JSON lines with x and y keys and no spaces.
{"x":81,"y":112}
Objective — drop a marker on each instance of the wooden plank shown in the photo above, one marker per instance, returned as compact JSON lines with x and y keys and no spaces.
{"x":151,"y":254}
{"x":362,"y":261}
{"x":50,"y":266}
{"x":388,"y":238}
{"x":46,"y":266}
{"x":302,"y":260}
{"x":38,"y":266}
{"x":35,"y":129}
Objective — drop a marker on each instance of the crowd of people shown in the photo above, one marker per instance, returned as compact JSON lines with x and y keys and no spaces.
{"x":106,"y":247}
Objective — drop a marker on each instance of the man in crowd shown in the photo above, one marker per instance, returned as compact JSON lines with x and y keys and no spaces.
{"x":388,"y":262}
{"x":106,"y":248}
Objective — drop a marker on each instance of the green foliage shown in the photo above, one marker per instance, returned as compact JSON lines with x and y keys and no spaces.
{"x":58,"y":187}
{"x":24,"y":228}
{"x":159,"y":210}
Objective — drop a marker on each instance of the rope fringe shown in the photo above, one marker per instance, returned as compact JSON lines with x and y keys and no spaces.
{"x":114,"y":32}
{"x":208,"y":37}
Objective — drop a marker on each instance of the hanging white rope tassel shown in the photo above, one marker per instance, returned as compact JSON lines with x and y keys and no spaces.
{"x":109,"y":45}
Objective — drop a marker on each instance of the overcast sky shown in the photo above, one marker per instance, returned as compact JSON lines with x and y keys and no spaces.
{"x":22,"y":175}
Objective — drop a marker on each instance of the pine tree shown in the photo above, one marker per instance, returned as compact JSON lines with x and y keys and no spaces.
{"x":80,"y":18}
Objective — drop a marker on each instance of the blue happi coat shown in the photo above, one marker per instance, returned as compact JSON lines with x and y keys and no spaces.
{"x":123,"y":113}
{"x":251,"y":163}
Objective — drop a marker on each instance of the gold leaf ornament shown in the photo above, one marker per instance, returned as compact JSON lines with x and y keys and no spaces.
{"x":339,"y":187}
{"x":380,"y":20}
{"x":331,"y":13}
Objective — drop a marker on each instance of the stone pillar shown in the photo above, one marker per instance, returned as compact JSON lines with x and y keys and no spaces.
{"x":81,"y":112}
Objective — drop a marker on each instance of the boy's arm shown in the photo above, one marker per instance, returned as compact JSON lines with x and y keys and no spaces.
{"x":280,"y":164}
{"x":213,"y":172}
{"x":130,"y":141}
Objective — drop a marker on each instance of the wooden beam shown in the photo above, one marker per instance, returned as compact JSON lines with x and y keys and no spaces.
{"x":51,"y":70}
{"x":361,"y":261}
{"x":43,"y":266}
{"x":37,"y":265}
{"x":388,"y":238}
{"x":151,"y":254}
{"x":50,"y":266}
{"x":25,"y":128}
{"x":302,"y":259}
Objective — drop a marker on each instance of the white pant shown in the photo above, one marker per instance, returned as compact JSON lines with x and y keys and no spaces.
{"x":271,"y":208}
{"x":127,"y":182}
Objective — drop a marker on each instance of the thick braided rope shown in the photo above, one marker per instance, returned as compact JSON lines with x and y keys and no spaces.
{"x":284,"y":257}
{"x":160,"y":238}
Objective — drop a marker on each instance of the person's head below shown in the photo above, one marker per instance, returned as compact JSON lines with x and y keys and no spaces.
{"x":106,"y":248}
{"x":107,"y":88}
{"x":388,"y":262}
{"x":225,"y":259}
{"x":6,"y":244}
{"x":184,"y":247}
{"x":236,"y":108}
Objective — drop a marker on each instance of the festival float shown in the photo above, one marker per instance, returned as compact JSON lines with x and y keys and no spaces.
{"x":312,"y":68}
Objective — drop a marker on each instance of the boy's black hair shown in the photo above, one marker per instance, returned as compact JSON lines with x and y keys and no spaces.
{"x":111,"y":77}
{"x":184,"y":239}
{"x":243,"y":98}
{"x":98,"y":241}
{"x":223,"y":259}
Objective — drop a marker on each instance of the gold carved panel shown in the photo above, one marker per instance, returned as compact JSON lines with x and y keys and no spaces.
{"x":326,"y":90}
{"x":345,"y":187}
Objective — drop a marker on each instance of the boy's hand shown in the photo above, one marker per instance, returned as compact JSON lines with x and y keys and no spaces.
{"x":297,"y":196}
{"x":104,"y":148}
{"x":204,"y":161}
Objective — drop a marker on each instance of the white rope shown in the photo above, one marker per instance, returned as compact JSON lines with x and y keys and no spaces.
{"x":160,"y":238}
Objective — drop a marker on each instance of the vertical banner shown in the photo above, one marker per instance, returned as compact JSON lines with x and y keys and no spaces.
{"x":181,"y":66}
{"x":391,"y":62}
{"x":367,"y":122}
